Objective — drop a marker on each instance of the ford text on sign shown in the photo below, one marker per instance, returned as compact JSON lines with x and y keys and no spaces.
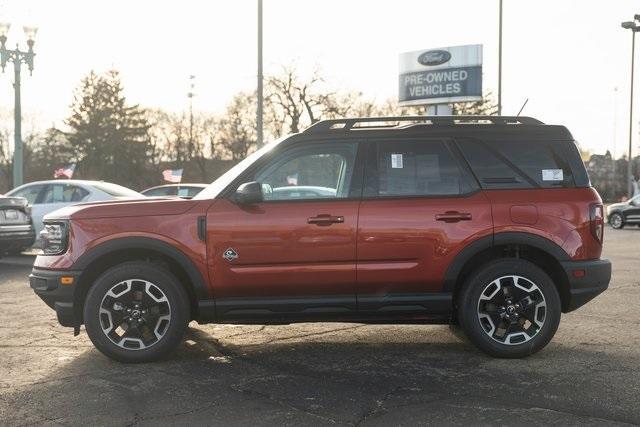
{"x":441,"y":85}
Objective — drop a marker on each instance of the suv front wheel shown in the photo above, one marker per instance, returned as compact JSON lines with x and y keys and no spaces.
{"x":509,"y":308}
{"x":136,"y":312}
{"x":616,"y":221}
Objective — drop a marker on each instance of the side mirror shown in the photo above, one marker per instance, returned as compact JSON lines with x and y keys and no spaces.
{"x":249,"y":193}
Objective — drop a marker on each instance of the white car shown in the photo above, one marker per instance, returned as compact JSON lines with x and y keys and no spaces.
{"x":48,"y":196}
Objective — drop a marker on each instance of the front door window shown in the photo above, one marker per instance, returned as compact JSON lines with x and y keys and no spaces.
{"x":319,"y":171}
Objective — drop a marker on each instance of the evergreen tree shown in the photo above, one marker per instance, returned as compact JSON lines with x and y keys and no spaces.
{"x":111,"y":138}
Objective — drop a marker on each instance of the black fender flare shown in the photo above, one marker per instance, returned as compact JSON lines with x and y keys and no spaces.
{"x":499,"y":239}
{"x":122,"y":243}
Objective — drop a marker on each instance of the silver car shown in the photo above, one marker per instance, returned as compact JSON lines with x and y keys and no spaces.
{"x":48,"y":196}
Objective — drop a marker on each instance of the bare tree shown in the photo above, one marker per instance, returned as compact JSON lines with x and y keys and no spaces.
{"x":234,"y":134}
{"x":485,"y":107}
{"x":295,"y":102}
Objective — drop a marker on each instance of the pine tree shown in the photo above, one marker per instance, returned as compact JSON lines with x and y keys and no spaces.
{"x":111,"y":138}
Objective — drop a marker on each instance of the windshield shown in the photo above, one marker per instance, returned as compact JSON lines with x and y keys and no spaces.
{"x":115,"y":189}
{"x":223,"y":181}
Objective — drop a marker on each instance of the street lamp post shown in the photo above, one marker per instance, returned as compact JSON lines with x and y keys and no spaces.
{"x":500,"y":60}
{"x":631,"y":25}
{"x":260,"y":107}
{"x":18,"y":57}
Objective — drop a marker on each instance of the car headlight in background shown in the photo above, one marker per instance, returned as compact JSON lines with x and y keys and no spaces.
{"x":54,"y":238}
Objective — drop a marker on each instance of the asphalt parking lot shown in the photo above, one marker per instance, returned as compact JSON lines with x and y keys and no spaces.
{"x":334,"y":374}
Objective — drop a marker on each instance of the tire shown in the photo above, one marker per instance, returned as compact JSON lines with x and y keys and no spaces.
{"x":616,"y":221}
{"x":508,"y":321}
{"x":136,"y":312}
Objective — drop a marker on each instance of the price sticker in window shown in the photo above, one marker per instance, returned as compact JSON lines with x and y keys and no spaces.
{"x":396,"y":161}
{"x":552,"y":175}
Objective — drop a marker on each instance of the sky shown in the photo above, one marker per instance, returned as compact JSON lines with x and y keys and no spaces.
{"x":571,"y":59}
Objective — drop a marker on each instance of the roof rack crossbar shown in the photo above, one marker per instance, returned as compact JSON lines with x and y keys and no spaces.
{"x":350,"y":123}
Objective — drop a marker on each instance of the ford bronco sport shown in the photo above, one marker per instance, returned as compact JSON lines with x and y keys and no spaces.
{"x":486,"y":222}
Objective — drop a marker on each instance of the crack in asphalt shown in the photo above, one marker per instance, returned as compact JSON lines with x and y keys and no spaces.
{"x":240,"y":334}
{"x":283,"y":403}
{"x":310,"y":334}
{"x":509,"y":405}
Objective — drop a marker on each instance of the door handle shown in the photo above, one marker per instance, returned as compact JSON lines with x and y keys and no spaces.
{"x":453,"y":216}
{"x":325,"y":219}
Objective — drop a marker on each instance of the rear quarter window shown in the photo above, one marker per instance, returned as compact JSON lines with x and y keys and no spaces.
{"x":518,"y":164}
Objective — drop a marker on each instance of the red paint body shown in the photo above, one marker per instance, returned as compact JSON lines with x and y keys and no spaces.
{"x":383,"y":246}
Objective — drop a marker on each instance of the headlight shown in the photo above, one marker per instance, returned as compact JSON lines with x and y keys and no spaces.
{"x":54,"y":238}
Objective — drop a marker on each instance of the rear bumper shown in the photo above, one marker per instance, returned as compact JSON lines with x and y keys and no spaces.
{"x":587,"y":279}
{"x":46,"y":284}
{"x":13,"y":237}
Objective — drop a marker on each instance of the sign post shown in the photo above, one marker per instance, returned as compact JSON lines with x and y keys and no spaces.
{"x":438,"y":77}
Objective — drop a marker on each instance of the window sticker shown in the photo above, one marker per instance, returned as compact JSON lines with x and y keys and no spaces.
{"x":552,"y":175}
{"x":396,"y":161}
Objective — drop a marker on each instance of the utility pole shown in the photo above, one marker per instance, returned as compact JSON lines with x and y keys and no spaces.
{"x":259,"y":110}
{"x":629,"y":170}
{"x":615,"y":128}
{"x":631,"y":25}
{"x":190,"y":95}
{"x":500,"y":60}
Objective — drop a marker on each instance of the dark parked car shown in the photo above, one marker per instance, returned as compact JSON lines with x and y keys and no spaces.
{"x":625,"y":213}
{"x":487,"y":222}
{"x":185,"y":191}
{"x":16,"y":227}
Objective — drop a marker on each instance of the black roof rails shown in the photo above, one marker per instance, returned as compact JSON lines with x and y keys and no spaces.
{"x":394,"y":122}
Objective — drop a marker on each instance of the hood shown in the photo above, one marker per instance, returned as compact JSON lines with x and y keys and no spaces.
{"x":616,"y":206}
{"x":151,"y":206}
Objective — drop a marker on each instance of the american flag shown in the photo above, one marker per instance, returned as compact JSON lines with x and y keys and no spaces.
{"x":172,"y":175}
{"x":67,"y":172}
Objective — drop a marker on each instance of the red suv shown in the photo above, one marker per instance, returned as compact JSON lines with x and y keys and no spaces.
{"x":486,"y":222}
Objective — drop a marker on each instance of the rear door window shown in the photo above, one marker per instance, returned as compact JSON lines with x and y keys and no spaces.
{"x":517,"y":164}
{"x":414,"y":168}
{"x":64,"y":193}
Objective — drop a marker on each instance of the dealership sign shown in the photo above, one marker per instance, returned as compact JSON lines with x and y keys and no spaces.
{"x":441,"y":76}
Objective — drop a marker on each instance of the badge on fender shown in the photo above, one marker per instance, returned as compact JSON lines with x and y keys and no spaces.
{"x":230,"y":254}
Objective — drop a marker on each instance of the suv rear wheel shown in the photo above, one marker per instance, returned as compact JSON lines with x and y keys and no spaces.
{"x":136,"y":312}
{"x":509,"y":308}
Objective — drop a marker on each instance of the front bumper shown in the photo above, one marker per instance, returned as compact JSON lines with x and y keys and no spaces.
{"x":15,"y":237}
{"x":47,"y":285}
{"x":587,"y":279}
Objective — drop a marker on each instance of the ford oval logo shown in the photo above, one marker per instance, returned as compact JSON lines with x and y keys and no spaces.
{"x":434,"y":57}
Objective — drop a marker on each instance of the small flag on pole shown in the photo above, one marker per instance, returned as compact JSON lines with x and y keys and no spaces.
{"x":172,"y":175}
{"x":66,"y":172}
